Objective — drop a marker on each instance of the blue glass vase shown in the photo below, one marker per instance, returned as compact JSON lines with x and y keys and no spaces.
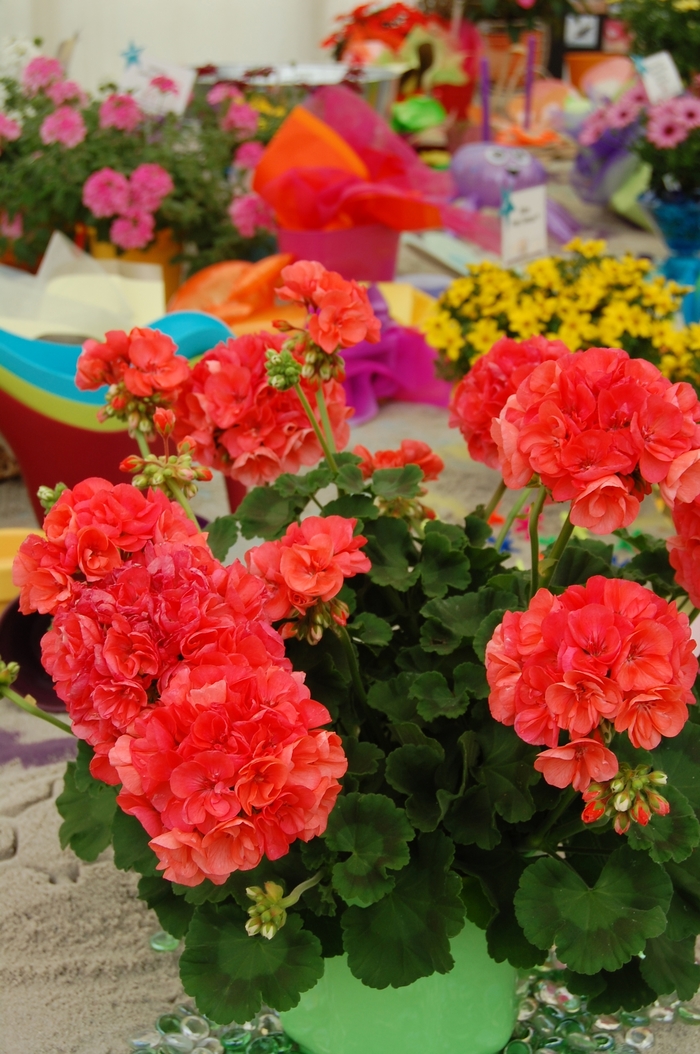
{"x":677,"y":216}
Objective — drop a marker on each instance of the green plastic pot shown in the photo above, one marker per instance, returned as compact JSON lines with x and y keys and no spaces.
{"x":471,"y":1008}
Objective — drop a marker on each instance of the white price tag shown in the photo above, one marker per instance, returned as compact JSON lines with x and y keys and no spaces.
{"x":158,"y":87}
{"x":660,"y":76}
{"x":523,"y":223}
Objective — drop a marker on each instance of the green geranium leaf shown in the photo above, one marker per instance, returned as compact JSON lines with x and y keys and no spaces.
{"x":412,"y":769}
{"x":352,"y":506}
{"x":87,"y":811}
{"x":607,"y":992}
{"x":671,"y":837}
{"x":471,"y":678}
{"x":363,"y":758}
{"x":406,"y":935}
{"x":392,"y":698}
{"x":577,"y":564}
{"x":450,"y":620}
{"x":230,"y":975}
{"x":652,"y":565}
{"x":471,"y":819}
{"x":477,"y":530}
{"x":131,"y":849}
{"x":479,"y":908}
{"x":371,"y":629}
{"x":506,"y":770}
{"x":408,"y":733}
{"x":222,"y":533}
{"x":597,"y":928}
{"x":442,"y":567}
{"x":402,"y":482}
{"x":376,"y":835}
{"x":434,"y":697}
{"x":455,"y":535}
{"x":684,"y":913}
{"x":391,"y":551}
{"x":84,"y":779}
{"x":486,"y":630}
{"x":350,"y":480}
{"x":174,"y":913}
{"x":669,"y":966}
{"x":264,"y":513}
{"x":679,"y":758}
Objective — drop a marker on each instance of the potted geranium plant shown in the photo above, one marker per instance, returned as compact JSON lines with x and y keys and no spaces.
{"x":376,"y":738}
{"x":104,"y":171}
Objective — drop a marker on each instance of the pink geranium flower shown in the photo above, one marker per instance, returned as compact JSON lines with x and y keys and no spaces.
{"x":65,"y":126}
{"x":248,"y":154}
{"x":9,"y":128}
{"x":222,"y":91}
{"x":66,"y":91}
{"x":11,"y":228}
{"x":121,"y":112}
{"x":149,"y":184}
{"x":40,"y":73}
{"x":165,"y":85}
{"x":106,"y":192}
{"x":249,"y":213}
{"x":240,"y":118}
{"x":134,"y":231}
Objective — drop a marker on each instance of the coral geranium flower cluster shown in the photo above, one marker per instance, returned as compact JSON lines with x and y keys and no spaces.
{"x":483,"y":392}
{"x":608,"y":655}
{"x":243,"y":426}
{"x":171,"y":671}
{"x":599,"y":428}
{"x":340,"y":312}
{"x":306,"y":569}
{"x":142,"y":369}
{"x":411,"y":452}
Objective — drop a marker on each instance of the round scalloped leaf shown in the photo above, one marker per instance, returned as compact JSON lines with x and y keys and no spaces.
{"x":597,"y":928}
{"x":230,"y":975}
{"x":406,"y":935}
{"x":375,"y":833}
{"x":669,"y":966}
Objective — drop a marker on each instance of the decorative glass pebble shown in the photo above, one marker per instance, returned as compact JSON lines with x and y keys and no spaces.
{"x":547,"y":992}
{"x":568,"y":1001}
{"x":176,"y":1043}
{"x":603,"y":1040}
{"x":263,"y":1045}
{"x":607,"y":1023}
{"x":517,"y":1046}
{"x":528,"y":1008}
{"x":554,"y":1013}
{"x":661,"y":1015}
{"x":581,"y":1041}
{"x":570,"y":1027}
{"x":632,"y":1020}
{"x":524,"y":985}
{"x":211,"y":1045}
{"x":163,"y":942}
{"x":640,"y":1038}
{"x":167,"y":1023}
{"x":235,"y":1038}
{"x":523,"y":1031}
{"x":555,"y":1043}
{"x":268,"y":1023}
{"x":689,"y":1014}
{"x":195,"y":1027}
{"x":147,"y":1040}
{"x":542,"y":1024}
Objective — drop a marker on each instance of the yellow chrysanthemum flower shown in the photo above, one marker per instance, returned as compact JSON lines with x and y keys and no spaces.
{"x":589,"y":249}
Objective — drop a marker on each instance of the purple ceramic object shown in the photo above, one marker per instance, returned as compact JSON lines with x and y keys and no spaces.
{"x":482,"y":170}
{"x":20,"y":641}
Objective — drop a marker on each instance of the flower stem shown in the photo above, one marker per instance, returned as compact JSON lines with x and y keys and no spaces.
{"x":328,"y":453}
{"x":325,"y":419}
{"x":534,"y":539}
{"x":693,"y":614}
{"x":495,"y":498}
{"x":180,"y":498}
{"x":557,"y":549}
{"x":535,"y":840}
{"x":350,"y":655}
{"x":503,"y":533}
{"x":29,"y":706}
{"x":142,"y":443}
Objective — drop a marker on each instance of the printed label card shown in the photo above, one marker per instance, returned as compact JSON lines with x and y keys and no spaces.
{"x":523,"y":223}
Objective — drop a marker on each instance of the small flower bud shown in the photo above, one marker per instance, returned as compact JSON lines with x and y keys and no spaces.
{"x":283,"y":370}
{"x":622,"y":801}
{"x":659,"y":779}
{"x":640,"y":812}
{"x":48,"y":496}
{"x":164,"y":422}
{"x":622,"y":823}
{"x":658,"y":804}
{"x":9,"y":672}
{"x":593,"y":811}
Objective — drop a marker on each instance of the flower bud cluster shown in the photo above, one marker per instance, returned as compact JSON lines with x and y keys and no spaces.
{"x":321,"y":366}
{"x":137,"y":411}
{"x":9,"y":672}
{"x":283,"y":370}
{"x":630,"y":797}
{"x":325,"y":614}
{"x":48,"y":496}
{"x":155,"y":471}
{"x":267,"y":914}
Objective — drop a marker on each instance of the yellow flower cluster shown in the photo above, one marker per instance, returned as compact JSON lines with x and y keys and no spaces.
{"x":586,"y":299}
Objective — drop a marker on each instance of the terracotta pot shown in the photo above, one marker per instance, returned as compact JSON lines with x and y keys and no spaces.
{"x":161,"y":252}
{"x":506,"y":51}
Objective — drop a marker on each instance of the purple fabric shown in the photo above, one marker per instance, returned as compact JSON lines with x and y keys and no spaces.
{"x":601,"y":169}
{"x":561,"y":225}
{"x":44,"y":752}
{"x":401,"y":367}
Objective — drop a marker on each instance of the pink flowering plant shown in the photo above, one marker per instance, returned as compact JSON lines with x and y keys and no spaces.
{"x":374,"y":716}
{"x":665,"y":135}
{"x":70,"y":162}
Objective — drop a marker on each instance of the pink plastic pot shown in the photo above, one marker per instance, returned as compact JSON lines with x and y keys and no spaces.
{"x":366,"y":253}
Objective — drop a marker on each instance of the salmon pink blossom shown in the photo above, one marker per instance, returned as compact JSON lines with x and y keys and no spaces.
{"x":341,"y":314}
{"x":577,"y":764}
{"x":598,"y":429}
{"x":145,"y":362}
{"x":411,"y":452}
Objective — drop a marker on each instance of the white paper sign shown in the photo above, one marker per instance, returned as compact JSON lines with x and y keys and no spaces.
{"x":660,"y":76}
{"x":158,"y":87}
{"x":523,"y":224}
